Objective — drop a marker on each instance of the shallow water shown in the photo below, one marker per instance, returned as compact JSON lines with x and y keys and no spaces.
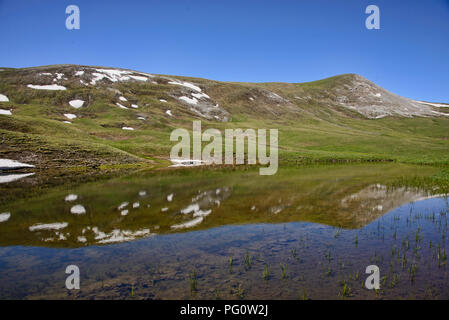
{"x":304,"y":233}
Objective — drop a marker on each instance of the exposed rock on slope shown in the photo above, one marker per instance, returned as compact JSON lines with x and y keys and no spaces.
{"x":372,"y":101}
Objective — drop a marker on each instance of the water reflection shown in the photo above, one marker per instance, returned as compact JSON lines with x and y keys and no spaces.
{"x":314,"y":228}
{"x":146,"y":204}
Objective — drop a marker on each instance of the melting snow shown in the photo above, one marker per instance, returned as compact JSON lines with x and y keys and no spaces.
{"x":12,"y":164}
{"x":170,"y":197}
{"x":121,"y":106}
{"x":142,"y":193}
{"x":47,"y":87}
{"x":49,"y":226}
{"x":76,"y":103}
{"x":78,"y":209}
{"x":169,"y":113}
{"x":124,"y":212}
{"x":136,"y":205}
{"x":135,"y":106}
{"x":139,"y":78}
{"x":128,"y":128}
{"x":162,"y":100}
{"x":141,"y":118}
{"x":5,"y":216}
{"x":69,"y":116}
{"x":200,"y":95}
{"x":123,"y":99}
{"x":186,"y":84}
{"x":79,"y":73}
{"x":68,"y":122}
{"x":3,"y":98}
{"x":5,"y":112}
{"x":189,"y":100}
{"x":185,"y":163}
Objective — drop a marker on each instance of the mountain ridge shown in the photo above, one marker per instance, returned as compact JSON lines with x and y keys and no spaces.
{"x":115,"y":116}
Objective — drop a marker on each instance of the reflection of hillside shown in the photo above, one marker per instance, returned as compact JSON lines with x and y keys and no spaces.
{"x":375,"y":200}
{"x":130,"y":208}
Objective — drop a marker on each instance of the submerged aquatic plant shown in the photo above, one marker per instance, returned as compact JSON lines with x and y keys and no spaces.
{"x":193,"y":282}
{"x":283,"y":271}
{"x":266,"y":273}
{"x":247,"y":261}
{"x":230,"y":263}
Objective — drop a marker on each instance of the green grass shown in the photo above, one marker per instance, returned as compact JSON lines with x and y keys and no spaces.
{"x":308,"y":132}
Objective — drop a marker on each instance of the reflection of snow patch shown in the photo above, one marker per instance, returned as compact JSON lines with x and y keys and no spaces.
{"x":5,"y":216}
{"x":188,"y":224}
{"x":71,"y":197}
{"x":13,"y":164}
{"x":123,"y":206}
{"x":13,"y":177}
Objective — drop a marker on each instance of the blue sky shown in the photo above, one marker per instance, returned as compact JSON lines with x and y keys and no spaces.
{"x":288,"y":41}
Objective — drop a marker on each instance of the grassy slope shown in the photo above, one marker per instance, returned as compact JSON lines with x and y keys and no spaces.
{"x":308,"y":131}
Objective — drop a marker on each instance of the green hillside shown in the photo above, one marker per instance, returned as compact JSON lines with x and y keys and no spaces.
{"x":314,"y":122}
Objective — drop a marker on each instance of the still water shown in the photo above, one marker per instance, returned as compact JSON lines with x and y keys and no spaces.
{"x":305,"y":233}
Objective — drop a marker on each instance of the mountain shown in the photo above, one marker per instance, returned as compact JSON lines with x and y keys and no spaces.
{"x":72,"y":115}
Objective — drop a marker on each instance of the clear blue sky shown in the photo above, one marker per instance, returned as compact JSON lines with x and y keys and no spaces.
{"x":245,"y":40}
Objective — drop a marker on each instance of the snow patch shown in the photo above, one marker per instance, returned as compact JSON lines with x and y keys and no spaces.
{"x":76,"y":103}
{"x":186,"y":84}
{"x":78,"y":209}
{"x":189,"y":100}
{"x":121,"y":106}
{"x":169,"y":113}
{"x":128,"y":128}
{"x":3,"y":98}
{"x":5,"y":112}
{"x":47,"y":87}
{"x":49,"y":226}
{"x":70,"y":116}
